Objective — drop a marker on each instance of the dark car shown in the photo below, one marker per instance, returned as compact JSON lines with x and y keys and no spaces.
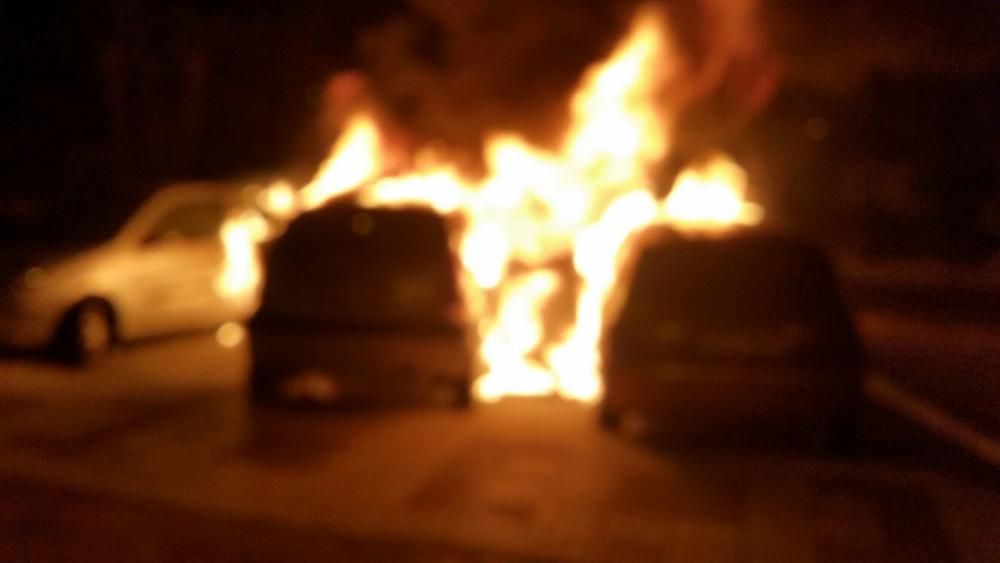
{"x":361,"y":304}
{"x":743,"y":334}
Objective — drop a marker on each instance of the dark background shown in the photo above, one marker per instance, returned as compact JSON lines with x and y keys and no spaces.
{"x":871,"y":125}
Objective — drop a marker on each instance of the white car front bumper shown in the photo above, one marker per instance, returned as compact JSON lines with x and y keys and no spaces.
{"x":24,"y":327}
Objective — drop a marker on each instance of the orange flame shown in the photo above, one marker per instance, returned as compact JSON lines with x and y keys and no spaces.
{"x":240,"y":275}
{"x":711,"y":196}
{"x":534,"y":205}
{"x":354,"y":160}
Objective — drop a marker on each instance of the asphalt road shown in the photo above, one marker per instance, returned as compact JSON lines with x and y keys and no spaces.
{"x":154,"y":455}
{"x":954,"y":363}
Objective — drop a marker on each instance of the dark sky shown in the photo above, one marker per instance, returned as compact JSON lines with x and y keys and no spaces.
{"x":104,"y":97}
{"x":134,"y":92}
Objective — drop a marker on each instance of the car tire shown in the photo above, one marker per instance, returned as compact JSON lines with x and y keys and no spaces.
{"x":87,"y":332}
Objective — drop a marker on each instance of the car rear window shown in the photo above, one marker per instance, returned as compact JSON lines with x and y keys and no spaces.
{"x":740,"y":297}
{"x":357,"y":267}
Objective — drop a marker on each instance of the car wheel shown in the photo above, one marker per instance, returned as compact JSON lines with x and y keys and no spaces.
{"x":87,"y":332}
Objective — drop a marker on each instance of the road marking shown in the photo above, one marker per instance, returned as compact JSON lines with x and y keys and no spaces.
{"x":935,"y":419}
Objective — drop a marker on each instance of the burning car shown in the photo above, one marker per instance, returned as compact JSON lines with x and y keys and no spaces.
{"x":164,"y":269}
{"x":542,"y":227}
{"x":739,"y":332}
{"x":361,"y":303}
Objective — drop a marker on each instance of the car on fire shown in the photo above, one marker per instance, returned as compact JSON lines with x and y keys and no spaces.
{"x":359,"y":305}
{"x":77,"y":279}
{"x":743,"y":334}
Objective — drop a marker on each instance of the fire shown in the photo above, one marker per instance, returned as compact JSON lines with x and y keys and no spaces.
{"x":354,"y":160}
{"x":509,"y":342}
{"x":536,"y":206}
{"x":279,"y":200}
{"x":240,"y":275}
{"x":711,"y":196}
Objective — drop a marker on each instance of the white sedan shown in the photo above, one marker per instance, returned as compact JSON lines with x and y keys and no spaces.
{"x":168,"y":269}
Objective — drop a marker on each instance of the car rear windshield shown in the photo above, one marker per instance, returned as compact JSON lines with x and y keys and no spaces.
{"x":362,"y":268}
{"x":744,"y":297}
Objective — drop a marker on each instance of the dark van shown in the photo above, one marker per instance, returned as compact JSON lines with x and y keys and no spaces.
{"x":737,"y":334}
{"x":361,"y":304}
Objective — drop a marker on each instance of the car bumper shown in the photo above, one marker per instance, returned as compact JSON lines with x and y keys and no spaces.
{"x":360,"y":363}
{"x":20,"y":330}
{"x":685,"y":398}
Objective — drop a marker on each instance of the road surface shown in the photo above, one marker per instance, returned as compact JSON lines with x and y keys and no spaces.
{"x":154,"y":455}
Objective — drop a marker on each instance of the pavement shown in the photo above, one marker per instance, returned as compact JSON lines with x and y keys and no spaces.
{"x":954,"y":364}
{"x":155,"y":455}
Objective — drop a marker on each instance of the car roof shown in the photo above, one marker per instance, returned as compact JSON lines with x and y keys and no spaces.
{"x":340,"y":223}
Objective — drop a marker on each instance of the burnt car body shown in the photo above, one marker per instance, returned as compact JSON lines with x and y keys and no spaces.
{"x":361,"y":304}
{"x":743,"y":335}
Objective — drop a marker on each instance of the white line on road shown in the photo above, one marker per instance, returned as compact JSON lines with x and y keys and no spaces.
{"x":938,"y":421}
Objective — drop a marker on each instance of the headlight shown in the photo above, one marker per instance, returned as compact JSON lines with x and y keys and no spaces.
{"x":35,"y":277}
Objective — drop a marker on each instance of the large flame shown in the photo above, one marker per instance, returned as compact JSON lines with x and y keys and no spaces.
{"x":535,"y":206}
{"x":355,"y":159}
{"x":240,"y":274}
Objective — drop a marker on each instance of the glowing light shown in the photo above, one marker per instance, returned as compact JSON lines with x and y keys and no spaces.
{"x":517,"y":332}
{"x":240,"y":276}
{"x":485,"y":252}
{"x":230,"y":335}
{"x":711,"y":197}
{"x":441,"y":190}
{"x":354,"y":160}
{"x":279,"y":199}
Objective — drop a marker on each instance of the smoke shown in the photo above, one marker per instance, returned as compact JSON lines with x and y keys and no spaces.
{"x":837,"y":46}
{"x":446,"y":72}
{"x":450,"y":71}
{"x":731,"y":72}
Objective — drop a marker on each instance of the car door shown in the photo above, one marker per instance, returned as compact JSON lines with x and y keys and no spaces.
{"x":176,"y":267}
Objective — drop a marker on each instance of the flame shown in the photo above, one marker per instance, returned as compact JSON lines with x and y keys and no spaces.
{"x":355,"y":159}
{"x":279,"y":200}
{"x":583,"y":200}
{"x":240,"y":275}
{"x":511,"y":339}
{"x":711,"y":196}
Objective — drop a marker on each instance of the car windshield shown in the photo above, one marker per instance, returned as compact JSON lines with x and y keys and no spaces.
{"x":64,"y":222}
{"x":738,"y":284}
